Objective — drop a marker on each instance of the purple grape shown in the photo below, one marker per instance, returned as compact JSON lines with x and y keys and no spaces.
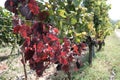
{"x":25,"y":11}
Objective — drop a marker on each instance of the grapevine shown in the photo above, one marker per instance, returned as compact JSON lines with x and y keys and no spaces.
{"x":42,"y":45}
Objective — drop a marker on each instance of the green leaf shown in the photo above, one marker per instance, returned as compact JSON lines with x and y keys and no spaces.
{"x":77,"y":39}
{"x":76,"y":2}
{"x":73,"y":21}
{"x":61,"y":24}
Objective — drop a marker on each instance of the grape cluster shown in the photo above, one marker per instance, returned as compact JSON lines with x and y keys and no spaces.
{"x":27,"y":8}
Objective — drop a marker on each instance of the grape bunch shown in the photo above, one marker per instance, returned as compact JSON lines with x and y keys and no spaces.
{"x":27,"y":8}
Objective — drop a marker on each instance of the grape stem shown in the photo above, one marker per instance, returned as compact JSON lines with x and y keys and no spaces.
{"x":24,"y":66}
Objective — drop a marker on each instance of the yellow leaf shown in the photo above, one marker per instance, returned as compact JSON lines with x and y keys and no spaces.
{"x":62,"y":13}
{"x":48,"y":5}
{"x":84,"y":33}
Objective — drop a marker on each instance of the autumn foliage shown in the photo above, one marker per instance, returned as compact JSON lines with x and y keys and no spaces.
{"x":41,"y":45}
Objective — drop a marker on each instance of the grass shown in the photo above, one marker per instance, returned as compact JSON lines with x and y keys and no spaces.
{"x":105,"y":65}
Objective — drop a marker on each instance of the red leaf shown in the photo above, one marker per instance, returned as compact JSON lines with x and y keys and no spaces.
{"x":75,"y":48}
{"x":55,"y":30}
{"x":26,"y":43}
{"x":34,"y":8}
{"x":45,"y":39}
{"x":25,"y":31}
{"x":40,"y":46}
{"x":44,"y":57}
{"x":34,"y":46}
{"x":51,"y":54}
{"x":16,"y":29}
{"x":63,"y":61}
{"x":83,"y":46}
{"x":52,"y":37}
{"x":49,"y":48}
{"x":66,"y":42}
{"x":36,"y":58}
{"x":11,"y":3}
{"x":70,"y":58}
{"x":63,"y":53}
{"x":43,"y":15}
{"x":65,"y":68}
